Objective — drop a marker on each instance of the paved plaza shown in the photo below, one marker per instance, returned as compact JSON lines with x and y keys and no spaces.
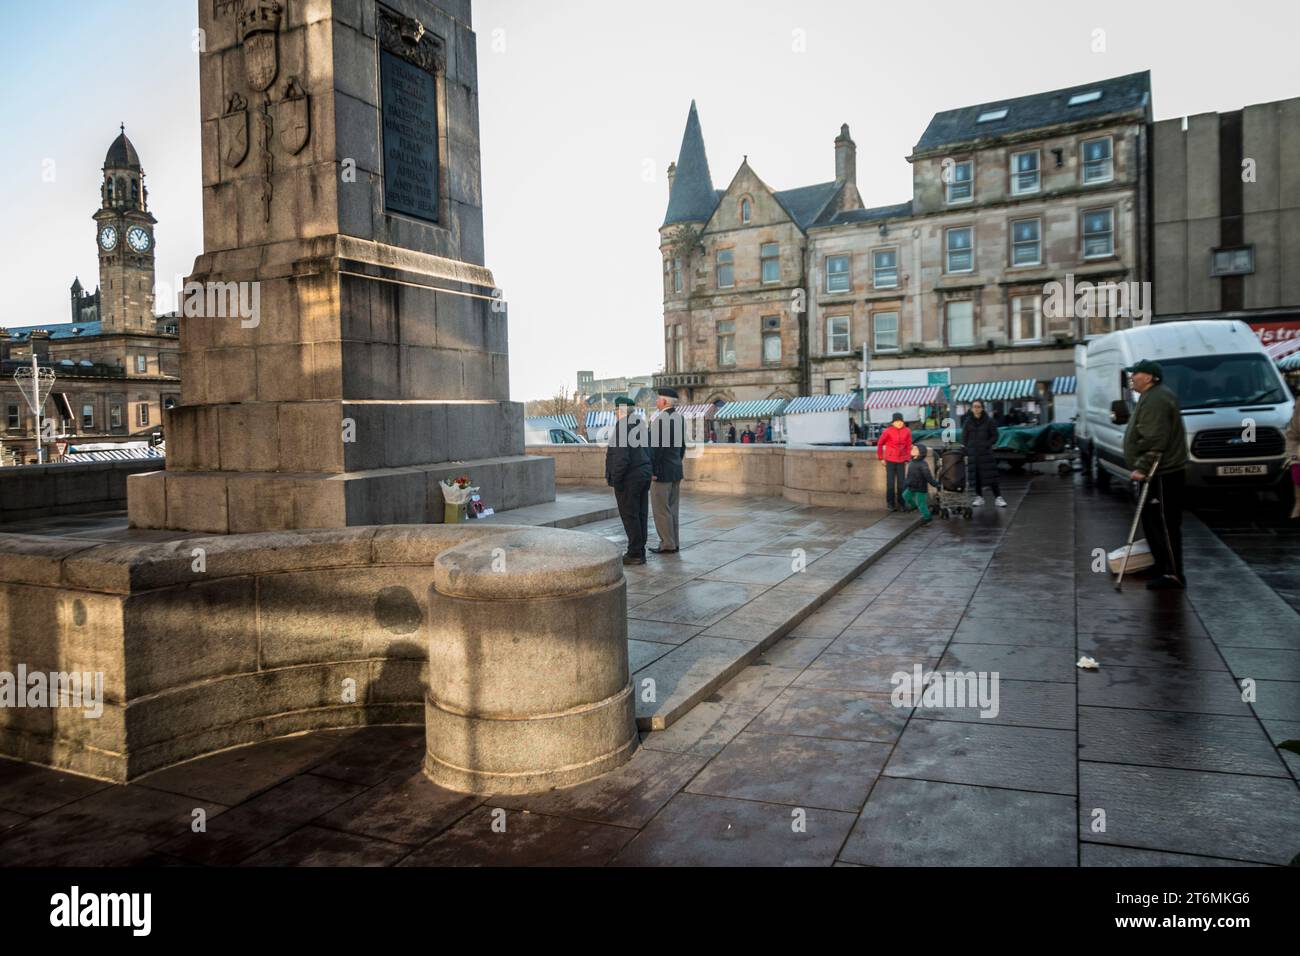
{"x":798,"y":756}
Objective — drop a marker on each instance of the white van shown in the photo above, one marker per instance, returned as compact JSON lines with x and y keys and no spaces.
{"x":551,"y":435}
{"x":1227,"y":386}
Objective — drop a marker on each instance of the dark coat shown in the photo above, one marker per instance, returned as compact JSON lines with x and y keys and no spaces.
{"x":919,"y":475}
{"x":979,"y":435}
{"x":627,"y":459}
{"x":669,"y":447}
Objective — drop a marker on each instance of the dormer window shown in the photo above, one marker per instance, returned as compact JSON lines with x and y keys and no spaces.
{"x":1078,"y":99}
{"x":746,"y":210}
{"x":990,"y":116}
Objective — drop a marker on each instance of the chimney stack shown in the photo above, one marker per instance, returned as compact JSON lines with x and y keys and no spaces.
{"x":40,"y":343}
{"x":4,"y":345}
{"x":846,"y":157}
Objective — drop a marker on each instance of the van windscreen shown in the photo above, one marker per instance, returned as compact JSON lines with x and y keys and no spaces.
{"x":1213,"y":381}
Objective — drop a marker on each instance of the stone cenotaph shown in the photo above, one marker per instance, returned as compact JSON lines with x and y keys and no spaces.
{"x":343,"y":346}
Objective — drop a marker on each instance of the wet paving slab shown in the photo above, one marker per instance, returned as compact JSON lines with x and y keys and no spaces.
{"x":801,"y":754}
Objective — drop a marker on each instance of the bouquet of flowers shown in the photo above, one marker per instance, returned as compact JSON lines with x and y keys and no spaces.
{"x":456,"y":494}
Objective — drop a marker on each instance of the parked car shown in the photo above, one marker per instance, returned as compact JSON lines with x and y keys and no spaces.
{"x":1235,"y":402}
{"x":552,"y":435}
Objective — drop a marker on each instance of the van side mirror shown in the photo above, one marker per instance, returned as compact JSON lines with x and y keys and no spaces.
{"x":1119,"y":413}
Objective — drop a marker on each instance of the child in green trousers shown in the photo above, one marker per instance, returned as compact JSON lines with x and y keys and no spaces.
{"x":916,"y":487}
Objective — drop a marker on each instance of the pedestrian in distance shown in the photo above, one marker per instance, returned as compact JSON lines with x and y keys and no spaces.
{"x":979,"y":434}
{"x":894,"y":448}
{"x":1293,"y":458}
{"x":1156,"y":432}
{"x":731,"y":434}
{"x":747,"y":436}
{"x":767,"y":432}
{"x":667,"y":454}
{"x":916,"y":494}
{"x":628,"y":471}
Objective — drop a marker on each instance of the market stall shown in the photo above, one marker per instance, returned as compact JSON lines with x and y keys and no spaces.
{"x":1065,"y":405}
{"x":914,"y":404}
{"x":1009,"y":400}
{"x":750,"y":414}
{"x":698,"y":419}
{"x":820,"y":419}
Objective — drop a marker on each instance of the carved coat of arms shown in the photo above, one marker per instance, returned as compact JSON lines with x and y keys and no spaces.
{"x":234,"y":131}
{"x":293,"y":117}
{"x":259,"y":24}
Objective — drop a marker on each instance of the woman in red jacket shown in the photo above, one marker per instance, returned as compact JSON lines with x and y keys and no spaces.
{"x":894,"y":448}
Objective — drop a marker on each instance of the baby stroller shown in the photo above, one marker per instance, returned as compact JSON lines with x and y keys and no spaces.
{"x":950,"y":470}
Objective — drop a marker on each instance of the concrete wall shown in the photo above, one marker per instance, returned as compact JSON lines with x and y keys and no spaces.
{"x":849,"y":477}
{"x":35,"y":491}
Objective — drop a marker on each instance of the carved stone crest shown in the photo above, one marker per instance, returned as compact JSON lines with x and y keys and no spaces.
{"x":406,"y":37}
{"x":259,"y":25}
{"x":293,"y":117}
{"x":234,"y":130}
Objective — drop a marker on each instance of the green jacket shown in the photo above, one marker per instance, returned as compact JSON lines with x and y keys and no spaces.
{"x":1156,"y":428}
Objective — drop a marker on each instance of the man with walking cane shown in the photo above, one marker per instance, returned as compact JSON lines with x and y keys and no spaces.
{"x":1155,"y":447}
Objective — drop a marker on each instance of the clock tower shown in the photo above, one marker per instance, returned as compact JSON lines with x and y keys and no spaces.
{"x":124,"y":233}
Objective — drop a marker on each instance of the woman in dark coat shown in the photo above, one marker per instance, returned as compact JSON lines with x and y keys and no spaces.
{"x":979,"y":435}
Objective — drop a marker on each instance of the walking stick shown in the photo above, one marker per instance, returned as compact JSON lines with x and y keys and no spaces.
{"x":1132,"y":531}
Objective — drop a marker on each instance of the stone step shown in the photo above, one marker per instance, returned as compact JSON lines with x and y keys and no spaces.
{"x":668,"y":687}
{"x":569,"y":510}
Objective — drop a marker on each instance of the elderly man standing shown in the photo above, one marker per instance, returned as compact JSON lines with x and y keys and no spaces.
{"x":1156,"y":431}
{"x":627,"y":471}
{"x":668,"y":431}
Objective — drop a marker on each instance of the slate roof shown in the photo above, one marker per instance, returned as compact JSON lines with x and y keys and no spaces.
{"x":65,"y":330}
{"x":692,"y":198}
{"x":122,"y":155}
{"x":898,"y":210}
{"x":1119,"y":94}
{"x":803,"y":203}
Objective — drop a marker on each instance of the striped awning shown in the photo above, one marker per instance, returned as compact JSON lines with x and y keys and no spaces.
{"x":116,"y":454}
{"x":904,"y":397}
{"x":1290,"y":363}
{"x":1064,"y":385}
{"x":757,"y":408}
{"x":552,"y":421}
{"x":600,"y":419}
{"x":1280,"y":350}
{"x":690,"y":412}
{"x":997,"y":391}
{"x":845,"y":402}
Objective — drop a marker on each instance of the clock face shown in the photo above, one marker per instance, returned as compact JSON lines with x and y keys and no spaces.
{"x":108,"y":237}
{"x":138,"y":238}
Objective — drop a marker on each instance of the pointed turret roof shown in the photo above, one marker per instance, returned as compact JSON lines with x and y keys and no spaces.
{"x":692,"y":198}
{"x":122,"y":155}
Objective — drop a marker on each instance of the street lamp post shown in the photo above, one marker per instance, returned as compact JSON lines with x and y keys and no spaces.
{"x":42,"y":380}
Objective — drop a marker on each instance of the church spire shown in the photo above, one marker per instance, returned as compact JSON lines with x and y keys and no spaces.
{"x":692,"y":197}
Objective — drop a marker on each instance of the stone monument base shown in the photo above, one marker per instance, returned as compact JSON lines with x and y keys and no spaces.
{"x":245,"y":502}
{"x":206,"y":643}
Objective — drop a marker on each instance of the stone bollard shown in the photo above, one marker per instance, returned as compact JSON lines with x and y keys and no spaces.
{"x":528,"y":670}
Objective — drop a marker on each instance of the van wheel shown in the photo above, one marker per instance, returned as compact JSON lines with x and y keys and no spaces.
{"x":1098,"y":475}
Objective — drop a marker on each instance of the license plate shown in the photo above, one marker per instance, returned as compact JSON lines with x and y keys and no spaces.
{"x":1226,"y":471}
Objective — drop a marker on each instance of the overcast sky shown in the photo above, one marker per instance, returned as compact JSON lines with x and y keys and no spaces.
{"x":582,"y":106}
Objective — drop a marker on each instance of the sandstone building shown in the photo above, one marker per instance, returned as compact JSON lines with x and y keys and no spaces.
{"x":774,"y":293}
{"x":116,"y":364}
